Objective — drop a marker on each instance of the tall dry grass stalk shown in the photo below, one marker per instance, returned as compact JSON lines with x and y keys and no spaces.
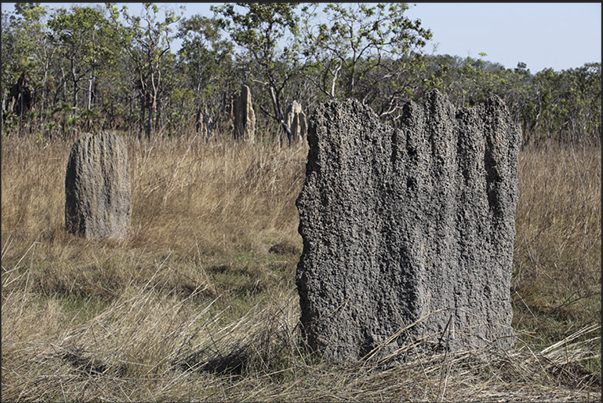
{"x":200,"y":303}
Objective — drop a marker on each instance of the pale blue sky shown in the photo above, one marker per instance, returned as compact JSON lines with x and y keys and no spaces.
{"x":555,"y":35}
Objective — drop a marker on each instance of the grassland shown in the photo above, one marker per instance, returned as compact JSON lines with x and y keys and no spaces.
{"x":199,"y":304}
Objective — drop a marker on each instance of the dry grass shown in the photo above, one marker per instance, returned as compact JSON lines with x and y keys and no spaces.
{"x":200,"y":304}
{"x":557,"y":259}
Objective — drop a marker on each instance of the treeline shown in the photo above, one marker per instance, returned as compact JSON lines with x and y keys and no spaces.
{"x":97,"y":66}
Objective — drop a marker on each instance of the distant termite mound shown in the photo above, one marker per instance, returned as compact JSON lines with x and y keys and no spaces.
{"x":98,"y":201}
{"x":244,"y":117}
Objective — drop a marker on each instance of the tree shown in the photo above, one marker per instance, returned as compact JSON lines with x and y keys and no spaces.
{"x":258,"y":31}
{"x":207,"y":61}
{"x":26,"y":58}
{"x":569,"y":103}
{"x":355,"y":41}
{"x":147,"y":42}
{"x":8,"y":69}
{"x":85,"y":40}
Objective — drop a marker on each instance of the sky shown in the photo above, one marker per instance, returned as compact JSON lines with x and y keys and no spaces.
{"x":542,"y":35}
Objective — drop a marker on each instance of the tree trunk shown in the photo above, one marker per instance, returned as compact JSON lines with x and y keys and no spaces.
{"x":89,"y":92}
{"x":279,"y":116}
{"x":208,"y":127}
{"x":64,"y":84}
{"x":158,"y":119}
{"x":149,"y":124}
{"x":74,"y":78}
{"x":142,"y":115}
{"x":2,"y":111}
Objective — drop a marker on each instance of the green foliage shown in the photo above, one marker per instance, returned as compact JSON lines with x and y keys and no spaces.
{"x":26,"y":37}
{"x":257,"y":31}
{"x":206,"y":60}
{"x":563,"y":105}
{"x":123,"y":69}
{"x":146,"y":40}
{"x":26,"y":57}
{"x":569,"y":103}
{"x":85,"y":42}
{"x":357,"y":40}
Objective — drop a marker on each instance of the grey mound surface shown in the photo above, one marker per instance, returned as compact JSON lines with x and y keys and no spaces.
{"x":98,"y":201}
{"x":408,"y":233}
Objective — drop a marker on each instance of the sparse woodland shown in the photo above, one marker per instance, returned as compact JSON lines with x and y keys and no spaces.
{"x":199,"y":303}
{"x":84,"y":68}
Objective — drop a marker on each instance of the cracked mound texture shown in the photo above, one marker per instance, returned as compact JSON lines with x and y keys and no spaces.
{"x":408,"y":224}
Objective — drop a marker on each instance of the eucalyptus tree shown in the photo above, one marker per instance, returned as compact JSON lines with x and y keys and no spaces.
{"x":260,"y":29}
{"x":357,"y":40}
{"x":569,"y":103}
{"x":86,"y":42}
{"x":585,"y":92}
{"x":27,"y":55}
{"x":7,"y":58}
{"x":206,"y":58}
{"x":147,"y":42}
